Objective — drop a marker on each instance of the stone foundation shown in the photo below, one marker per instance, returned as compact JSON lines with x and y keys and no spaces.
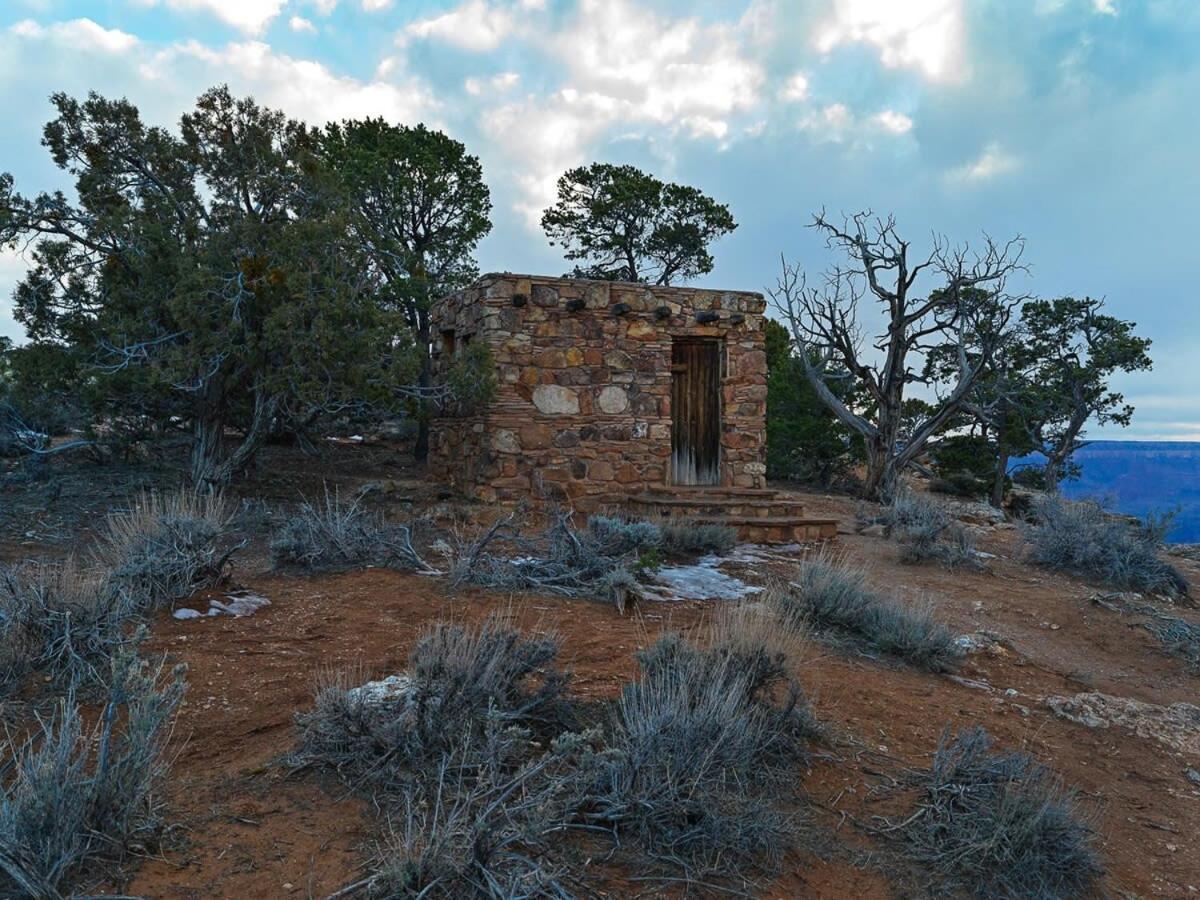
{"x":582,"y":413}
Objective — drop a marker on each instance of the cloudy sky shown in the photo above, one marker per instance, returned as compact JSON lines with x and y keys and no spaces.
{"x":1071,"y":122}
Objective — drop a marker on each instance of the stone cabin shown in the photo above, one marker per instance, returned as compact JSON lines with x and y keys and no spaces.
{"x":610,"y":393}
{"x":604,"y":388}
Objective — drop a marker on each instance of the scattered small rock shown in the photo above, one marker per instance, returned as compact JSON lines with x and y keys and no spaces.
{"x":982,"y":642}
{"x":971,"y":683}
{"x":1176,"y":726}
{"x":975,"y":512}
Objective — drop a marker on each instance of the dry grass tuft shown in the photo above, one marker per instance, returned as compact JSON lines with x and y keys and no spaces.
{"x":832,"y":596}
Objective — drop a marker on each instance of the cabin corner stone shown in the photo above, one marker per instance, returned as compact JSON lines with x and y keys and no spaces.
{"x":603,"y":389}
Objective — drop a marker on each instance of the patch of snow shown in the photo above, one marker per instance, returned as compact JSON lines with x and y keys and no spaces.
{"x":703,"y":581}
{"x":238,"y":603}
{"x":749,"y":554}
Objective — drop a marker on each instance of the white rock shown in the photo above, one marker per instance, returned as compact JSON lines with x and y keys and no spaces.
{"x":612,"y":400}
{"x":385,"y":690}
{"x":556,"y":400}
{"x":184,"y":613}
{"x":505,"y":441}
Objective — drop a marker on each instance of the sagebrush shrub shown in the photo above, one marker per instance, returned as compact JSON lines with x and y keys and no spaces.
{"x":687,"y":537}
{"x":337,"y":534}
{"x":1178,"y":637}
{"x":699,"y":748}
{"x":74,"y":794}
{"x":471,"y":830}
{"x":563,"y":560}
{"x":1000,"y":824}
{"x":1082,"y":538}
{"x":617,"y":536}
{"x":62,"y":620}
{"x":927,"y":532}
{"x":457,"y":676}
{"x":165,"y":547}
{"x":827,"y":594}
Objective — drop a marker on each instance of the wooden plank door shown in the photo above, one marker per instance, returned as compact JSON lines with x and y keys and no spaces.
{"x":696,"y":412}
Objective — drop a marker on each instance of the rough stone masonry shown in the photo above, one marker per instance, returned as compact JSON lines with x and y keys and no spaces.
{"x":583,"y":411}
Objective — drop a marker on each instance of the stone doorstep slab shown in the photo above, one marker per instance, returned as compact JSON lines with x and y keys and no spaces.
{"x":802,"y":531}
{"x":657,"y":511}
{"x":699,"y":505}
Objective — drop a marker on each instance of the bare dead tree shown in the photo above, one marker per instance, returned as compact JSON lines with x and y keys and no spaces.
{"x":826,"y":326}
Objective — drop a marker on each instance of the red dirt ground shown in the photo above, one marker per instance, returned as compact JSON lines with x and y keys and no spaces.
{"x":254,"y":832}
{"x":247,"y":829}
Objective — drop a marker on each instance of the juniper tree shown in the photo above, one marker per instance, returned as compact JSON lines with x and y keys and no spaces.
{"x":206,"y":277}
{"x":418,"y":207}
{"x":1072,"y":349}
{"x":627,"y":225}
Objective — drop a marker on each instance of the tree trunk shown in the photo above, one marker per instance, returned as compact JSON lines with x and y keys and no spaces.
{"x":880,"y":482}
{"x":1001,"y":472}
{"x":1052,"y":466}
{"x":208,"y":438}
{"x":421,"y":447}
{"x":211,"y":468}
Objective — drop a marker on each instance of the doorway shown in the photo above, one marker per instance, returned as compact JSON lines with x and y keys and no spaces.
{"x":696,"y":411}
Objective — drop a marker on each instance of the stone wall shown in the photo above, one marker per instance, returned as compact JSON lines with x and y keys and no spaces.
{"x":582,"y":413}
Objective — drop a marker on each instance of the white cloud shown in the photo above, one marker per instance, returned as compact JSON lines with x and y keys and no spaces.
{"x":301,"y":24}
{"x":556,"y":132}
{"x":837,"y":123}
{"x":624,"y":67}
{"x":323,"y":7}
{"x":301,"y":87}
{"x":795,"y":88}
{"x":895,"y":122}
{"x":78,"y":34}
{"x":375,"y":5}
{"x":992,"y":162}
{"x":505,"y":81}
{"x":250,"y":16}
{"x":927,"y":35}
{"x":832,"y":122}
{"x":476,"y":26}
{"x":1105,"y":7}
{"x":663,"y":69}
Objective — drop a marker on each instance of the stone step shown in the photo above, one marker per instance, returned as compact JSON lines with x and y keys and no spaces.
{"x":710,"y":490}
{"x":777,"y":529}
{"x":702,"y":505}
